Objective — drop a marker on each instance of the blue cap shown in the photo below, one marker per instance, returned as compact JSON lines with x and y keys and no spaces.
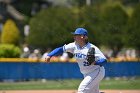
{"x":80,"y":31}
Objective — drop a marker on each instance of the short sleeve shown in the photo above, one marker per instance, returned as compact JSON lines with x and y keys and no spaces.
{"x":69,"y":47}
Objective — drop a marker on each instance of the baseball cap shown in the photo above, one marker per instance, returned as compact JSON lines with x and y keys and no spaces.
{"x":80,"y":31}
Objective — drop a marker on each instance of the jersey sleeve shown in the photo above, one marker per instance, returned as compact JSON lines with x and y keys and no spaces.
{"x":69,"y":48}
{"x":98,"y":54}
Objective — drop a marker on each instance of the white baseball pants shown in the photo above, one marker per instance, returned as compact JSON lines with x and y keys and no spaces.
{"x":90,"y":83}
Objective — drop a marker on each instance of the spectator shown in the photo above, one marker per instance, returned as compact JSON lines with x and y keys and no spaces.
{"x":36,"y":55}
{"x":26,"y":52}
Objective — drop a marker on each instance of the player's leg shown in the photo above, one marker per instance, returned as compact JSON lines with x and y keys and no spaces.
{"x":86,"y":85}
{"x":95,"y":89}
{"x":91,"y":81}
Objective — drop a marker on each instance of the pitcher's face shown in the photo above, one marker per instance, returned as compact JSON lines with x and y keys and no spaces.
{"x":79,"y":38}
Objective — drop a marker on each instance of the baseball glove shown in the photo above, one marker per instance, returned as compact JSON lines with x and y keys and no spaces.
{"x":91,"y":55}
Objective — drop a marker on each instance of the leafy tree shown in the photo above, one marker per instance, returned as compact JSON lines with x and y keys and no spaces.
{"x":130,"y":2}
{"x":82,"y":3}
{"x":89,"y":18}
{"x":113,"y":23}
{"x":51,"y":27}
{"x":10,"y":33}
{"x":77,"y":2}
{"x":26,"y":6}
{"x":133,"y":29}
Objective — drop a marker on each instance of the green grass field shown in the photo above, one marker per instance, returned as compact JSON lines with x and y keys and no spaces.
{"x":69,"y":84}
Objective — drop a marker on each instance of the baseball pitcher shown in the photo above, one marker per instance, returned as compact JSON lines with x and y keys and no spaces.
{"x":89,"y":58}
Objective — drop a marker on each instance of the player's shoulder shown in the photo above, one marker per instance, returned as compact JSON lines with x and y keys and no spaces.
{"x":70,"y":44}
{"x":92,"y":45}
{"x":69,"y":47}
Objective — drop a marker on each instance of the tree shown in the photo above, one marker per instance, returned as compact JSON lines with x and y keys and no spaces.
{"x":133,"y":30}
{"x":113,"y":23}
{"x":78,"y":3}
{"x":10,"y":33}
{"x":90,"y":18}
{"x":130,"y":2}
{"x":81,"y":3}
{"x":51,"y":27}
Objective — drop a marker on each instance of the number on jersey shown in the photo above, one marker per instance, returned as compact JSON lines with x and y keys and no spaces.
{"x":86,"y":63}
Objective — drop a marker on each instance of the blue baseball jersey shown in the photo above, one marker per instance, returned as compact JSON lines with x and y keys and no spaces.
{"x":80,"y":54}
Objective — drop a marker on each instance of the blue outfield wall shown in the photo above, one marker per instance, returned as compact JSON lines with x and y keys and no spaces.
{"x":59,"y":70}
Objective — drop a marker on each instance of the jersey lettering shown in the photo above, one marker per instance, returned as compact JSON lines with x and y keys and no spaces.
{"x":79,"y":55}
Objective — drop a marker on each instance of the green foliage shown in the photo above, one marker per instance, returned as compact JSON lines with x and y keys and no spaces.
{"x":81,"y":3}
{"x":52,"y":27}
{"x":107,"y":25}
{"x":113,"y":23}
{"x":130,"y":2}
{"x":77,"y":2}
{"x":26,"y":10}
{"x":10,"y":33}
{"x":9,"y":51}
{"x":133,"y":29}
{"x":90,"y":19}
